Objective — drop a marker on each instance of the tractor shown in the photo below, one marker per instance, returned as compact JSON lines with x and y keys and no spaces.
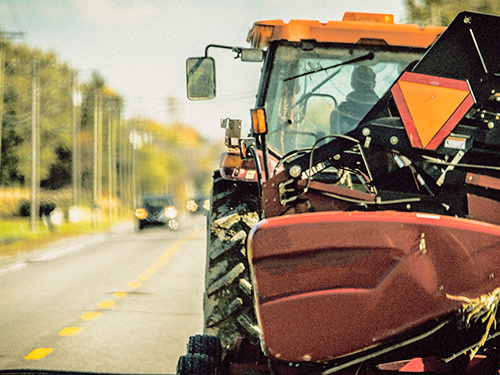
{"x":355,"y":230}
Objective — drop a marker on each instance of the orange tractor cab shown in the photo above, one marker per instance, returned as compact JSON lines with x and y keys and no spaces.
{"x":356,"y":229}
{"x":355,"y":28}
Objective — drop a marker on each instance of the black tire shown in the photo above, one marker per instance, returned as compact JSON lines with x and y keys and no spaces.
{"x":228,"y":306}
{"x":206,"y":344}
{"x":195,"y":364}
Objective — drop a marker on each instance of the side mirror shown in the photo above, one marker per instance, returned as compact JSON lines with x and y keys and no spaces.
{"x":200,"y":74}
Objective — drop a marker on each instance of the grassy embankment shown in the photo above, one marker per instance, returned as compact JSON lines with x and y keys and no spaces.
{"x":16,"y":235}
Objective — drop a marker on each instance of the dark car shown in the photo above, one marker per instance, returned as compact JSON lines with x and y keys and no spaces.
{"x":157,"y":210}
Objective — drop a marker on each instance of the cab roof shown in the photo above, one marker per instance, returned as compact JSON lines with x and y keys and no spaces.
{"x":363,"y":28}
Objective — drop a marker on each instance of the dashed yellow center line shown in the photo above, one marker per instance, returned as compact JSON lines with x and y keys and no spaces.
{"x":91,"y":315}
{"x":38,"y":353}
{"x":162,"y":260}
{"x":106,"y":304}
{"x":134,"y":284}
{"x":70,"y":331}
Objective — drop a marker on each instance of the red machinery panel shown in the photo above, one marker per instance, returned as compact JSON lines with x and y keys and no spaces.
{"x":331,"y":284}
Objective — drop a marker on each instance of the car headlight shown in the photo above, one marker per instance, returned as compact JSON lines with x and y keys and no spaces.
{"x":191,"y":205}
{"x":170,"y":212}
{"x":141,"y":213}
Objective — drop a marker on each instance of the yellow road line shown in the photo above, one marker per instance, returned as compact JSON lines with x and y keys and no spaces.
{"x":70,"y":331}
{"x":39,"y":353}
{"x":106,"y":304}
{"x":134,"y":284}
{"x":170,"y":252}
{"x":91,"y":315}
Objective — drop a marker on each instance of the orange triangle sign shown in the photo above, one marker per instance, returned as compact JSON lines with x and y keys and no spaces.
{"x":430,"y":107}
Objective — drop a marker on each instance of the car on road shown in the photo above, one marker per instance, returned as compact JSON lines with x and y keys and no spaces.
{"x":156,"y":210}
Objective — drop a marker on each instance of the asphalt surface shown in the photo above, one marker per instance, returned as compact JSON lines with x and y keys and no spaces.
{"x":119,"y":302}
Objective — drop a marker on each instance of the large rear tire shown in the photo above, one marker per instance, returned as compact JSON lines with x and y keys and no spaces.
{"x":196,"y":364}
{"x":228,"y":308}
{"x":206,"y":344}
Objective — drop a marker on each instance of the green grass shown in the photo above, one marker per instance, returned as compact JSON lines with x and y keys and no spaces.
{"x":16,"y":235}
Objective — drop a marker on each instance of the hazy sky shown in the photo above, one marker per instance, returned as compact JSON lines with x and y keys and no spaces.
{"x":140,"y":46}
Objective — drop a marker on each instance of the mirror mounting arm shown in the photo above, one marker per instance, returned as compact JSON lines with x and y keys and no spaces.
{"x":234,"y":49}
{"x":245,"y":54}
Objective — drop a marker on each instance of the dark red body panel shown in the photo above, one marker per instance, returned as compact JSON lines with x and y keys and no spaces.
{"x":330,"y":284}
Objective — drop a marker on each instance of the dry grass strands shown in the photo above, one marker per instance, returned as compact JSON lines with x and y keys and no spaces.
{"x":483,"y":308}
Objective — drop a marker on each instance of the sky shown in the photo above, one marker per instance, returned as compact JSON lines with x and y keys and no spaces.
{"x":140,"y":47}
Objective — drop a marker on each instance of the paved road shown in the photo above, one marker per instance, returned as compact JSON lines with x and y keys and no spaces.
{"x":122,"y":302}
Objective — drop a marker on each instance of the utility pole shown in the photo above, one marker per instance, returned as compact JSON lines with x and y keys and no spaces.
{"x":95,"y":191}
{"x":129,"y":155}
{"x":100,"y":148}
{"x":34,"y":145}
{"x":76,"y":145}
{"x":119,"y":160}
{"x":2,"y":86}
{"x":115,"y":155}
{"x":110,"y":161}
{"x":121,"y":164}
{"x":134,"y":169}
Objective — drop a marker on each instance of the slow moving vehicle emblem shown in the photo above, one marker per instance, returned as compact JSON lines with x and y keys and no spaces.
{"x":430,"y":107}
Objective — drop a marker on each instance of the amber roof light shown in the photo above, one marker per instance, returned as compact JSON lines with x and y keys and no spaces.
{"x":354,"y":28}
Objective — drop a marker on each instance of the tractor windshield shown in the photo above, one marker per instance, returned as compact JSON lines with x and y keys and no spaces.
{"x":322,"y":90}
